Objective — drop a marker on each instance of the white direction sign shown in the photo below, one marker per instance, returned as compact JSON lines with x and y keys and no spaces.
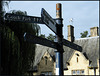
{"x":48,"y":20}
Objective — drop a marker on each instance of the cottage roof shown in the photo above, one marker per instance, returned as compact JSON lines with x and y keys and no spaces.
{"x":39,"y":52}
{"x":90,"y":49}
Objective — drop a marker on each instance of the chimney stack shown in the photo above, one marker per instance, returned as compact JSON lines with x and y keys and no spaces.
{"x":94,"y":31}
{"x":70,"y":33}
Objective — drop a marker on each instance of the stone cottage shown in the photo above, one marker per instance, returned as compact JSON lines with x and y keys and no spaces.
{"x":74,"y":62}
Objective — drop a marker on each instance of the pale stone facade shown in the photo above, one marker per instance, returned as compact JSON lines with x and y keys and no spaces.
{"x":70,"y":33}
{"x":94,"y":31}
{"x":77,"y":62}
{"x":80,"y":64}
{"x":46,"y":65}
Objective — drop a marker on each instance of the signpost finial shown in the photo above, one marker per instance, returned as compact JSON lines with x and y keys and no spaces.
{"x":58,"y":10}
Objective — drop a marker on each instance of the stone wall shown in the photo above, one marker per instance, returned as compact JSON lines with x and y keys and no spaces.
{"x":46,"y":64}
{"x":79,"y":62}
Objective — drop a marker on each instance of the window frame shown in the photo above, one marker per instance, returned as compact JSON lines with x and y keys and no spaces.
{"x":47,"y":73}
{"x":76,"y":72}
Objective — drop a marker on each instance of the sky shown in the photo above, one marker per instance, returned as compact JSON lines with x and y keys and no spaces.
{"x":85,"y":14}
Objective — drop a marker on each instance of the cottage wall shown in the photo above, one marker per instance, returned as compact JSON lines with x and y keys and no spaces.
{"x":78,"y":62}
{"x":46,"y":65}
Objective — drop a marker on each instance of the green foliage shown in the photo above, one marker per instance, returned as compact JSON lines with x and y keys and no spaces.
{"x":84,"y":34}
{"x":17,"y":55}
{"x":43,"y":36}
{"x":51,"y":37}
{"x":2,"y":10}
{"x":10,"y":45}
{"x":27,"y":50}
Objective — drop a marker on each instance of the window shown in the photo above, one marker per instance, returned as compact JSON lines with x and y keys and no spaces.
{"x":73,"y":72}
{"x":77,"y":72}
{"x":82,"y":71}
{"x":46,"y":60}
{"x":46,"y":73}
{"x":77,"y":59}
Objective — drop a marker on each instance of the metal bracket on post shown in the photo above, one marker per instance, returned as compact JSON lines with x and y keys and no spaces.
{"x":59,"y":31}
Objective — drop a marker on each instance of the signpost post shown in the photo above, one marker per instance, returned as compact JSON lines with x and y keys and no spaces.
{"x":56,"y":26}
{"x":59,"y":51}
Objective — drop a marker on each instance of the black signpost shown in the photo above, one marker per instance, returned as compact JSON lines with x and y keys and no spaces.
{"x":71,"y":45}
{"x":42,"y":41}
{"x":55,"y":26}
{"x":38,"y":40}
{"x":48,"y":20}
{"x":23,"y":18}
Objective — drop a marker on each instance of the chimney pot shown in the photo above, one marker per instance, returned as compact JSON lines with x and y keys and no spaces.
{"x":71,"y":33}
{"x":94,"y":31}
